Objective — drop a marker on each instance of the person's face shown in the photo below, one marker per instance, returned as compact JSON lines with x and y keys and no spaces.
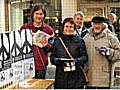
{"x":68,"y":29}
{"x":78,"y":20}
{"x":98,"y":27}
{"x":38,"y":16}
{"x":111,"y":18}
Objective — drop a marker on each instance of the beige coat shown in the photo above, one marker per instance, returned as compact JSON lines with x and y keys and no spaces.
{"x":98,"y":64}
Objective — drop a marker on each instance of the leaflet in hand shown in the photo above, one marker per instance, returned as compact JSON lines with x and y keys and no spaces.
{"x":39,"y":36}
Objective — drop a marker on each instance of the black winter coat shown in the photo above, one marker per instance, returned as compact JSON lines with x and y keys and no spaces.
{"x":71,"y":79}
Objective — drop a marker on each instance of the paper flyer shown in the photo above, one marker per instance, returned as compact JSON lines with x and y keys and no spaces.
{"x":18,"y":71}
{"x":9,"y":75}
{"x":5,"y":61}
{"x":2,"y":78}
{"x":39,"y":36}
{"x":16,"y":55}
{"x":29,"y":68}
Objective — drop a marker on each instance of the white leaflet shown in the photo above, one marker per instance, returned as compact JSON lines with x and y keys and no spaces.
{"x":39,"y":36}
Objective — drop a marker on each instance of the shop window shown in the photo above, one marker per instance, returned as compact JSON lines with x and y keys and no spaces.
{"x":26,"y":15}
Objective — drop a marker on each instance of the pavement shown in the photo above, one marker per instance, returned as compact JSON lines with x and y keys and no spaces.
{"x":50,"y":70}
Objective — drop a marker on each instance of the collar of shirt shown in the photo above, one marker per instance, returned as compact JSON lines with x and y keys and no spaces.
{"x":41,"y":27}
{"x":80,"y":29}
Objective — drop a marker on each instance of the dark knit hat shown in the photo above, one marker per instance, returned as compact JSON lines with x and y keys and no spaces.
{"x":98,"y":19}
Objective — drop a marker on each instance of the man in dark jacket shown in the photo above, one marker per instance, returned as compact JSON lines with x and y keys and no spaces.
{"x":73,"y":77}
{"x":40,"y":53}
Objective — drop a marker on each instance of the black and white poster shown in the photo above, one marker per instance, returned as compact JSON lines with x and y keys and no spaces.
{"x":26,"y":38}
{"x":16,"y":55}
{"x":5,"y":61}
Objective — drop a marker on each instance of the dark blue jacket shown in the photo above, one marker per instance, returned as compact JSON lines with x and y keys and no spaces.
{"x":76,"y":46}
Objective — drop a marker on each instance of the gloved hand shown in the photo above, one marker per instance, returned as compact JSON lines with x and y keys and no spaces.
{"x":51,"y":41}
{"x":105,"y":51}
{"x":57,"y":61}
{"x":54,"y":62}
{"x":78,"y":62}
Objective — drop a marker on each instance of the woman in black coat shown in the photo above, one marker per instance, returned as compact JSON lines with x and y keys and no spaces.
{"x":76,"y":47}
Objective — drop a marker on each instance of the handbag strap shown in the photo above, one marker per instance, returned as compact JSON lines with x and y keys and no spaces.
{"x":73,"y":58}
{"x":41,"y":59}
{"x":66,"y":48}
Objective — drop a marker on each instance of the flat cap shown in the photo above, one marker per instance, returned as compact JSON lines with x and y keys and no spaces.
{"x":98,"y":19}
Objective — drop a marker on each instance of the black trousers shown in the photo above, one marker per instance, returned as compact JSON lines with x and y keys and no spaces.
{"x":40,"y":74}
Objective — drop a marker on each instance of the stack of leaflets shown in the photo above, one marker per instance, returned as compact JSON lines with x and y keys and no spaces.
{"x":39,"y":36}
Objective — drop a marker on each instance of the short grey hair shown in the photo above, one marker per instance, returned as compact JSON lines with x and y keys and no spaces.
{"x":79,"y":13}
{"x":114,"y":15}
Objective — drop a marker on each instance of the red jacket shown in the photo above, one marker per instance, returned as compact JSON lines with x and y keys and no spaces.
{"x":40,"y":63}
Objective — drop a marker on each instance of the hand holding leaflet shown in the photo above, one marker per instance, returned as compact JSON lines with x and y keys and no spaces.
{"x":40,"y":38}
{"x":104,"y":50}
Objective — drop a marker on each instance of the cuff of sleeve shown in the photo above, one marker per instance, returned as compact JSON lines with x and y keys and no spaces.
{"x":111,"y":55}
{"x":48,"y":45}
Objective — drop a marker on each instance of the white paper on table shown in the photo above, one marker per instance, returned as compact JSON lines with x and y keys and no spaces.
{"x":25,"y":84}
